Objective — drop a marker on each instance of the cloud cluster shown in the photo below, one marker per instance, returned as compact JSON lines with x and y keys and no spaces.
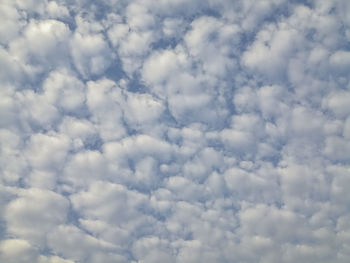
{"x":174,"y":131}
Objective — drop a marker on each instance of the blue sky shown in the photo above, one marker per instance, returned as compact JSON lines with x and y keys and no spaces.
{"x":174,"y":131}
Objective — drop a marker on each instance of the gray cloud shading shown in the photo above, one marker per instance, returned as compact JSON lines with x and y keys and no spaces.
{"x":174,"y":131}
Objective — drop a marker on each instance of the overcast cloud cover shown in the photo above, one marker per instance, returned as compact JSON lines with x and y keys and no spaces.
{"x":175,"y":131}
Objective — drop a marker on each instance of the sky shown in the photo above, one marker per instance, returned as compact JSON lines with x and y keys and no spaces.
{"x":174,"y":131}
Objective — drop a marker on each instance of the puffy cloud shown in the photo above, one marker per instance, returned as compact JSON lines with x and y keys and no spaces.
{"x":34,"y":213}
{"x":117,"y":205}
{"x":81,"y":246}
{"x":17,"y":250}
{"x":13,"y":22}
{"x":172,"y":77}
{"x":337,"y":103}
{"x":47,"y":151}
{"x":142,"y":110}
{"x":65,"y":91}
{"x":40,"y":44}
{"x":91,"y":54}
{"x":102,"y":100}
{"x":271,"y":50}
{"x":174,"y":131}
{"x":89,"y":165}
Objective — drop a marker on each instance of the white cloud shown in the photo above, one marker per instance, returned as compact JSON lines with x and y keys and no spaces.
{"x":40,"y":44}
{"x":56,"y":10}
{"x":47,"y":150}
{"x":64,"y":91}
{"x":81,"y":246}
{"x":174,"y":131}
{"x":269,"y":53}
{"x":91,"y":54}
{"x":26,"y":218}
{"x":338,"y":103}
{"x":84,"y":167}
{"x":102,"y":101}
{"x":142,"y":109}
{"x":17,"y":250}
{"x":12,"y":24}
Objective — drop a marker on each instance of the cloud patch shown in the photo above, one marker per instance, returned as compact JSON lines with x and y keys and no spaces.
{"x":174,"y":131}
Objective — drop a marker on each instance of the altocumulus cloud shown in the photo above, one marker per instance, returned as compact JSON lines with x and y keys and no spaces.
{"x":175,"y":131}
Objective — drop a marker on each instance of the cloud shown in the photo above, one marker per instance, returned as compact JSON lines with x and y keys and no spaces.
{"x":64,"y":91}
{"x":174,"y":131}
{"x":90,"y":53}
{"x":17,"y":250}
{"x":40,"y":44}
{"x":25,"y":218}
